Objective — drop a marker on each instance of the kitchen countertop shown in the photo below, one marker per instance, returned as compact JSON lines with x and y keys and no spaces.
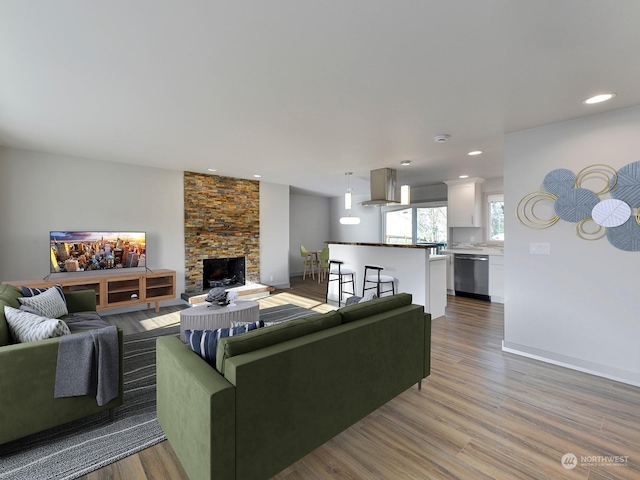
{"x":393,"y":245}
{"x":475,"y":251}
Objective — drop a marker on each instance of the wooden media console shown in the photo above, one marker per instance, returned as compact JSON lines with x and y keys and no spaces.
{"x":119,"y":289}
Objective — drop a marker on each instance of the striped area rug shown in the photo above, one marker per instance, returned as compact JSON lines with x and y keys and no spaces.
{"x":283,"y":313}
{"x":78,"y":448}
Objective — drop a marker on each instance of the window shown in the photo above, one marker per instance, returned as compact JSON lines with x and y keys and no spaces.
{"x":398,"y":226}
{"x":416,"y":224}
{"x":495,"y":228}
{"x":431,"y":224}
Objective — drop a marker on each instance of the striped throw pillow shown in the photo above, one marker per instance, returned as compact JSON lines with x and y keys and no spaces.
{"x":48,"y":303}
{"x":205,"y":342}
{"x":27,"y":327}
{"x":32,"y":292}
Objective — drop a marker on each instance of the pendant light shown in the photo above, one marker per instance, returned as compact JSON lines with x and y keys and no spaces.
{"x":405,"y":190}
{"x":348,"y":220}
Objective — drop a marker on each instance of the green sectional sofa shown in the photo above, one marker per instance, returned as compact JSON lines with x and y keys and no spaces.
{"x":286,"y":389}
{"x":27,"y":376}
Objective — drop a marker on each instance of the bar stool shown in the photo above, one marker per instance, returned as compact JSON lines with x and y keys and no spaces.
{"x":378,"y":279}
{"x":337,"y":269}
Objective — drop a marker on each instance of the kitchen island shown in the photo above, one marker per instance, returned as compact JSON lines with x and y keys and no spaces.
{"x":416,"y":271}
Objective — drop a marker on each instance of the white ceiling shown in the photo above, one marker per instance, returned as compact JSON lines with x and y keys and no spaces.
{"x":303,"y":91}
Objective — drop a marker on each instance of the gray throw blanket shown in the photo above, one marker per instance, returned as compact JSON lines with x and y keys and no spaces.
{"x":88,"y":363}
{"x":81,"y":321}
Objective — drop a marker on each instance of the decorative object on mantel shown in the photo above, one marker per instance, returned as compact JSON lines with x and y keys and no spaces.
{"x":617,"y":218}
{"x":348,"y":220}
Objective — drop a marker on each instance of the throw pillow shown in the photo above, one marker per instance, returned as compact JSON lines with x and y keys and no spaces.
{"x":48,"y":303}
{"x":370,"y":295}
{"x":353,"y":300}
{"x":367,"y":297}
{"x":262,"y":323}
{"x":28,"y":309}
{"x":32,"y":292}
{"x":205,"y":342}
{"x":27,"y":327}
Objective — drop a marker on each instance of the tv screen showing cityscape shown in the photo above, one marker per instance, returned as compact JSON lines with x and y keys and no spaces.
{"x":91,"y":251}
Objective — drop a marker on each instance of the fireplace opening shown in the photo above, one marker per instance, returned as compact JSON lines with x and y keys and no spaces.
{"x":223,"y":272}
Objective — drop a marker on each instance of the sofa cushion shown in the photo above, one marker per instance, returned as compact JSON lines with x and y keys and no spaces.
{"x":205,"y":342}
{"x":27,"y":327}
{"x":49,"y":303}
{"x":377,"y":305}
{"x":9,"y":296}
{"x":232,"y":346}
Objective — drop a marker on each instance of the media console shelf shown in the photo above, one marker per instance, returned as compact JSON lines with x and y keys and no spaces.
{"x":117,"y":289}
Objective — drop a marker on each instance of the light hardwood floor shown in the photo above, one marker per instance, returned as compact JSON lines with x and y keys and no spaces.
{"x":480,"y":414}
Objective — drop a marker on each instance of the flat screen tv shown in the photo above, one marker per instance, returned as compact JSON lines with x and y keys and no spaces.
{"x":92,"y":251}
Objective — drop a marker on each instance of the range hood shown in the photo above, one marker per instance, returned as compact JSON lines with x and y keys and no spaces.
{"x":383,"y":188}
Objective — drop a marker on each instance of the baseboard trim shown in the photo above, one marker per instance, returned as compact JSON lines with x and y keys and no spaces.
{"x":591,"y":368}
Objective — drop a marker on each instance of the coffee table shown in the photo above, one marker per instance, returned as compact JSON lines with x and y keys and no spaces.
{"x":211,"y":316}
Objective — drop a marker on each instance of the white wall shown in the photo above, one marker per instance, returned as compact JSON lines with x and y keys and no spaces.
{"x":309,"y":226}
{"x":274,"y":234}
{"x":430,"y":193}
{"x":577,"y":306}
{"x":42,"y":192}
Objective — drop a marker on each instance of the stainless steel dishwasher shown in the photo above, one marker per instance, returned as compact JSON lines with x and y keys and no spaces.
{"x":471,"y":276}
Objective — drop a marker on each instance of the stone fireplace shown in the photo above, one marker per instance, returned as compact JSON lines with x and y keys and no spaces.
{"x":223,"y":272}
{"x":221,"y":220}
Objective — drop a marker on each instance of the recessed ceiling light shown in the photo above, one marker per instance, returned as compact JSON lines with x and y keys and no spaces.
{"x":211,"y":169}
{"x":257,"y":176}
{"x":599,"y":98}
{"x":475,"y":152}
{"x":463,"y":176}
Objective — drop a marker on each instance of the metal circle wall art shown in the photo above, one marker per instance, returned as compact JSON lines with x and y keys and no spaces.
{"x":627,"y":187}
{"x":575,"y":204}
{"x":599,"y":171}
{"x":526,"y":214}
{"x":611,"y":213}
{"x":559,"y":181}
{"x":585,"y":233}
{"x":617,"y":218}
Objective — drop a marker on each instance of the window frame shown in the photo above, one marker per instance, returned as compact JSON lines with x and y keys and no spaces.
{"x":491,"y":197}
{"x":414,"y":217}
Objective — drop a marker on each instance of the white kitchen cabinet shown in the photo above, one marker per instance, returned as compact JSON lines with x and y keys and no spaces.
{"x":450,"y":273}
{"x":464,"y":202}
{"x":437,"y":285}
{"x":496,"y":278}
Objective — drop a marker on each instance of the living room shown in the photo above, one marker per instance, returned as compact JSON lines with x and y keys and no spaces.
{"x":572,"y":307}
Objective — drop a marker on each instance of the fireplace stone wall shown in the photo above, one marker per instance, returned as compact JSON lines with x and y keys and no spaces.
{"x":221,"y":220}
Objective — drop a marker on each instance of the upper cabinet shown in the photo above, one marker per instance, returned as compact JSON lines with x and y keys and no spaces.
{"x":464,"y":202}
